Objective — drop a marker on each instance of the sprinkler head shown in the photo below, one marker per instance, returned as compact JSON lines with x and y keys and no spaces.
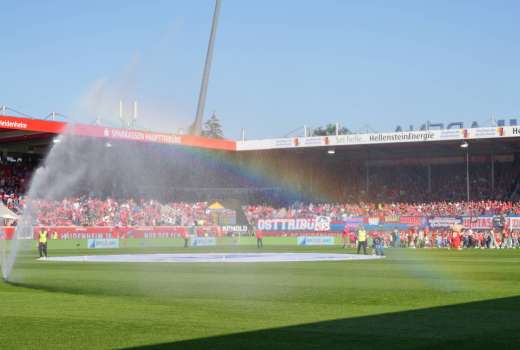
{"x":5,"y":280}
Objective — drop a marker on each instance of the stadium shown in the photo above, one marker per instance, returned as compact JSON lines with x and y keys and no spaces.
{"x":405,"y":189}
{"x":131,"y":238}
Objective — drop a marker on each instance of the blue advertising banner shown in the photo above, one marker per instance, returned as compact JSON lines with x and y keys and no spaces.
{"x":316,"y":240}
{"x":325,"y":225}
{"x":103,"y":243}
{"x":444,"y":221}
{"x":202,"y":241}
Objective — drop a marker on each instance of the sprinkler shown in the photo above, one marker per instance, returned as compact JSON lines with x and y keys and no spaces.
{"x":5,"y":280}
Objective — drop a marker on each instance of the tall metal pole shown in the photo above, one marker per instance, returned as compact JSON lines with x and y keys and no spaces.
{"x":467,"y":174}
{"x":197,"y":124}
{"x":121,"y":118}
{"x":367,"y":174}
{"x":429,"y":174}
{"x":134,"y":119}
{"x":493,"y":175}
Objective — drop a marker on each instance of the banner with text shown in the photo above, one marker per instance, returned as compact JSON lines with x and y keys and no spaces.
{"x":318,"y":223}
{"x":315,"y":240}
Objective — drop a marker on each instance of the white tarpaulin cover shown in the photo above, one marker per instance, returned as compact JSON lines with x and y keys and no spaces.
{"x":215,"y":257}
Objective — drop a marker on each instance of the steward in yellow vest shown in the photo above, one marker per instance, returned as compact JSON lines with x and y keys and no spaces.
{"x":42,"y":243}
{"x":362,"y":240}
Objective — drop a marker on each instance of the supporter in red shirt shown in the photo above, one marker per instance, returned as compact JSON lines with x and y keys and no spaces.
{"x":345,"y":237}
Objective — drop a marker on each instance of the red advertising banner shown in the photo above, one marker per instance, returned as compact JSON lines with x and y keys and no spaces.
{"x":480,"y":222}
{"x":513,"y":223}
{"x":7,"y":233}
{"x":203,"y":142}
{"x":104,"y":232}
{"x":411,"y":220}
{"x":27,"y":124}
{"x":54,"y":127}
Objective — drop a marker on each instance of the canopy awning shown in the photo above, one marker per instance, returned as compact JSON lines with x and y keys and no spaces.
{"x":216,"y":206}
{"x":6,"y":213}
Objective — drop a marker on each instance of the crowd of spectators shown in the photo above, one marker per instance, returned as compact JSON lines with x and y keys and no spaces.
{"x":495,"y":238}
{"x":85,"y":211}
{"x":14,"y":179}
{"x":343,"y":211}
{"x":402,"y":191}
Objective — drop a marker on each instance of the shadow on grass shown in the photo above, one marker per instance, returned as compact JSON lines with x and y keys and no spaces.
{"x":492,"y":324}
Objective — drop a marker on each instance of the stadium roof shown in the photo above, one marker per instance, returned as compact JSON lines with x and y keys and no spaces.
{"x":397,"y":138}
{"x":395,"y":144}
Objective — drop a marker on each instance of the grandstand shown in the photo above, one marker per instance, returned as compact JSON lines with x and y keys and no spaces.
{"x":417,"y":174}
{"x":347,"y":167}
{"x":388,"y":167}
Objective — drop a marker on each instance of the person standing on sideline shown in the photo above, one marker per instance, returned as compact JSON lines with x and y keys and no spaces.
{"x":396,"y":239}
{"x":186,"y":237}
{"x":493,"y":239}
{"x":508,"y":241}
{"x":455,"y":242}
{"x":352,"y":238}
{"x":42,"y":243}
{"x":362,"y":240}
{"x":259,"y":239}
{"x":345,"y":236}
{"x":379,"y":244}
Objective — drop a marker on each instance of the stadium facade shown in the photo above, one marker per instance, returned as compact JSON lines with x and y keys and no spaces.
{"x":321,"y":166}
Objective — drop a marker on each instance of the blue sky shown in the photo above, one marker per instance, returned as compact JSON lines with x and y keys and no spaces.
{"x":278,"y":64}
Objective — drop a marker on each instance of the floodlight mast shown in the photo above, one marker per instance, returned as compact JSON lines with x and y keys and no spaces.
{"x":197,"y":124}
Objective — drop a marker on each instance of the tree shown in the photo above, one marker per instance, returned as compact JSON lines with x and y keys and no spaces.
{"x":212,"y":128}
{"x":330,"y":129}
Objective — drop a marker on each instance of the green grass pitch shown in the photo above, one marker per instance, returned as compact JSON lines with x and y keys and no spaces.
{"x":413,"y":299}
